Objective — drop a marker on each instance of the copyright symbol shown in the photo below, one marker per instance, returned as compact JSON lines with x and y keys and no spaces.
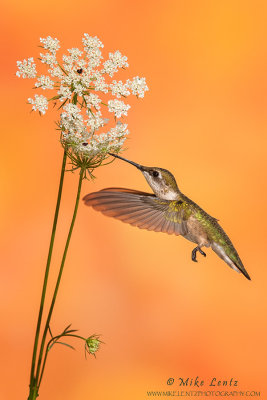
{"x":170,"y":381}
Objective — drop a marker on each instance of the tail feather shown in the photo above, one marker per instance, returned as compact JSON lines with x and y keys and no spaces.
{"x":232,"y":260}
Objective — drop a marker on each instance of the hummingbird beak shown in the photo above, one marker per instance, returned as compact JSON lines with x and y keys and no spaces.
{"x":131,"y":162}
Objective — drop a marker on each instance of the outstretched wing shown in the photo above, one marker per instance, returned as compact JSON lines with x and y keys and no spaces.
{"x":144,"y":210}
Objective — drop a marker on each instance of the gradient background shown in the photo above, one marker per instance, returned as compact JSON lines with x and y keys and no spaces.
{"x":204,"y":119}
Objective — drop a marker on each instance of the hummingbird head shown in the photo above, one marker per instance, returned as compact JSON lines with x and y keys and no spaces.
{"x":161,"y":181}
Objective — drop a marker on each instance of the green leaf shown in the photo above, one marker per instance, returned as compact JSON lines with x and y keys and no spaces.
{"x":64,"y":102}
{"x":72,"y":330}
{"x":66,"y":344}
{"x":75,"y":98}
{"x":67,"y":328}
{"x":54,"y":98}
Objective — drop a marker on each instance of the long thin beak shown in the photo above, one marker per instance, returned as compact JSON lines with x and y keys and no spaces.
{"x":131,"y":162}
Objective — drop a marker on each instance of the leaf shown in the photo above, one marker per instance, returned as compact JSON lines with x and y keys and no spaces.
{"x":67,"y":328}
{"x":56,"y":342}
{"x":62,"y":105}
{"x":75,"y":98}
{"x":66,"y":344}
{"x":54,"y":98}
{"x":72,"y":330}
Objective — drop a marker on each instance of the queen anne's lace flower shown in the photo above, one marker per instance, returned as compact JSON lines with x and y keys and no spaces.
{"x":72,"y":110}
{"x":118,"y":107}
{"x":75,"y":53}
{"x":56,"y":72}
{"x":39,"y":103}
{"x":119,"y":89}
{"x":95,"y":121}
{"x":26,"y":68}
{"x":93,"y":100}
{"x":48,"y":58}
{"x":44,"y":82}
{"x":138,"y":86}
{"x":116,"y":60}
{"x":64,"y":93}
{"x":95,"y":57}
{"x":98,"y":80}
{"x":50,"y":44}
{"x":90,"y":42}
{"x":79,"y":82}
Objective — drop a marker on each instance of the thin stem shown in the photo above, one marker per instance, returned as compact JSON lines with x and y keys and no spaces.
{"x":51,"y":245}
{"x":38,"y":381}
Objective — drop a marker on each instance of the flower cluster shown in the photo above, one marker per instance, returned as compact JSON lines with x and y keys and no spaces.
{"x":81,"y":83}
{"x":92,"y":344}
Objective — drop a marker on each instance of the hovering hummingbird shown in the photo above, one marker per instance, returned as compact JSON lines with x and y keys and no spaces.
{"x":167,"y":210}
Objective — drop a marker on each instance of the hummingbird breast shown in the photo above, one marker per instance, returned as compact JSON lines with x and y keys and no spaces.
{"x":196,"y":232}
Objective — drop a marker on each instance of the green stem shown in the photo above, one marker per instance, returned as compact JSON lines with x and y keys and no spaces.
{"x":38,"y":381}
{"x":51,"y":245}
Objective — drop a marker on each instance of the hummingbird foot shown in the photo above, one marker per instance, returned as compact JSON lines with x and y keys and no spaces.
{"x":194,"y":253}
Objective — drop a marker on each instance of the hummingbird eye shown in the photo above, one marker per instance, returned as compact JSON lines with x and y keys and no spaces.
{"x":155,"y":174}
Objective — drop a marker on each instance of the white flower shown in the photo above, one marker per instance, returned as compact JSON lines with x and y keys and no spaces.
{"x":48,"y":58}
{"x":74,"y":82}
{"x":78,"y":88}
{"x":69,"y":78}
{"x":81,"y":63}
{"x":99,"y":82}
{"x":116,"y":60}
{"x":112,"y":140}
{"x":119,"y":131}
{"x":90,"y":42}
{"x":50,"y":44}
{"x":119,"y":89}
{"x":95,"y":120}
{"x":39,"y":104}
{"x":87,"y":149}
{"x":64,"y":92}
{"x":138,"y":86}
{"x":86,"y":79}
{"x":80,"y":85}
{"x":72,"y":123}
{"x":95,"y":57}
{"x":44,"y":82}
{"x":75,"y":53}
{"x":119,"y":59}
{"x":26,"y":68}
{"x":109,"y":68}
{"x":118,"y":107}
{"x":93,"y":100}
{"x":68,"y":61}
{"x":72,"y":110}
{"x":56,"y":72}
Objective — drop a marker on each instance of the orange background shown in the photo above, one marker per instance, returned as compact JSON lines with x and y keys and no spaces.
{"x":204,"y":119}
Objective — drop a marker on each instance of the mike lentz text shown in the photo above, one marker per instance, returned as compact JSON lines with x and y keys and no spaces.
{"x":198,"y":382}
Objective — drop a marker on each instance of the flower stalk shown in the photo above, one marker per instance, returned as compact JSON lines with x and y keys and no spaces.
{"x":81,"y":177}
{"x":36,"y":378}
{"x":82,"y":84}
{"x":47,"y":269}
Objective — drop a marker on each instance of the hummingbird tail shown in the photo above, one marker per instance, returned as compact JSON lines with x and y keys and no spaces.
{"x":232,"y":260}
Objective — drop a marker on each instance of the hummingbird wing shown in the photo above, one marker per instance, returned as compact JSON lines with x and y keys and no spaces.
{"x":144,"y":210}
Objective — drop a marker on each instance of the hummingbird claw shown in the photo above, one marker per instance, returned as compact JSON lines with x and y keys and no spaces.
{"x":194,"y":253}
{"x":202,"y":252}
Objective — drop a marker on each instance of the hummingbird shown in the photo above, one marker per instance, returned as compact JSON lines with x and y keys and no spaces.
{"x":166,"y":210}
